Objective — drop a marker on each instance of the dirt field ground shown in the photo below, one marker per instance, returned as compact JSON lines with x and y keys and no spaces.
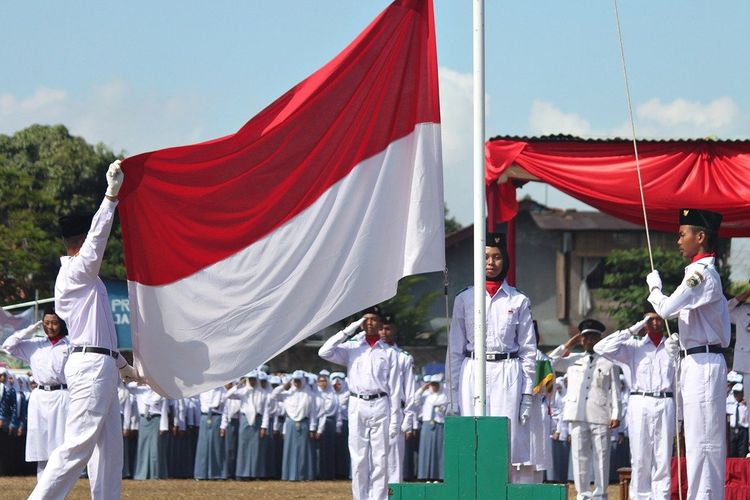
{"x":17,"y":488}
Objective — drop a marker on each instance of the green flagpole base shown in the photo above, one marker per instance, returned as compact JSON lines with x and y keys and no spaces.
{"x":476,"y":459}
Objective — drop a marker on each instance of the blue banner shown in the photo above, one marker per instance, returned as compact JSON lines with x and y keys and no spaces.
{"x":120,"y":305}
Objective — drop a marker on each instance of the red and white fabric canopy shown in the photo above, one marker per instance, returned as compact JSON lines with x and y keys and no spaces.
{"x":703,"y":173}
{"x":240,"y":247}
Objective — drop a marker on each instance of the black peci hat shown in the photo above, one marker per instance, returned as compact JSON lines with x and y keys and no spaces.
{"x":389,"y":319}
{"x":591,"y":326}
{"x":700,"y":218}
{"x":496,"y":240}
{"x":74,"y":224}
{"x":373,"y":310}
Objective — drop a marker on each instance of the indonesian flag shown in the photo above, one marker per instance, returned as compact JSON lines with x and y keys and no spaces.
{"x":240,"y":247}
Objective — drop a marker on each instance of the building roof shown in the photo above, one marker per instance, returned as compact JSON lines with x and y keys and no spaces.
{"x":572,"y":220}
{"x":573,"y":138}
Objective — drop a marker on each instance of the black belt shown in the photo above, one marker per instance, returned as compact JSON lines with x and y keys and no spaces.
{"x":96,"y":350}
{"x":493,"y":356}
{"x":652,"y":394}
{"x":211,"y":413}
{"x":151,"y":415}
{"x":52,"y":387}
{"x":713,"y":348}
{"x":368,"y":397}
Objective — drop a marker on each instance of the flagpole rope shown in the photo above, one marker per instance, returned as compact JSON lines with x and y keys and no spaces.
{"x":648,"y":236}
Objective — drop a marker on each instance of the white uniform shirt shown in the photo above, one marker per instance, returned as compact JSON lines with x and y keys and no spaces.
{"x":593,"y":387}
{"x":699,"y":303}
{"x":81,"y":298}
{"x":739,"y":314}
{"x":329,"y":407}
{"x":735,"y":408}
{"x":149,"y":403}
{"x":253,"y":401}
{"x":370,"y":370}
{"x":212,"y":401}
{"x":650,"y":367}
{"x":433,"y":405}
{"x":409,"y":406}
{"x":509,"y":329}
{"x":47,"y":361}
{"x":298,"y":404}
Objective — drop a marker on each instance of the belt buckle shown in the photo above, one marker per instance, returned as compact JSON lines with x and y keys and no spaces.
{"x":490,"y":356}
{"x":658,"y":394}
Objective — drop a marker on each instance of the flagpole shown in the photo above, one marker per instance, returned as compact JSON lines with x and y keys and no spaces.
{"x":479,"y":213}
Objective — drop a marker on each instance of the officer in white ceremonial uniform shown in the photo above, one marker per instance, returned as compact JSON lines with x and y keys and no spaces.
{"x":650,"y":410}
{"x":510,"y":351}
{"x":372,"y":368}
{"x":592,"y":406}
{"x":739,"y":315}
{"x":704,"y":332}
{"x":92,"y":429}
{"x":407,"y":409}
{"x":48,"y":405}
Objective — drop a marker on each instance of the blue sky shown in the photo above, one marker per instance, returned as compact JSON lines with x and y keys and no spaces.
{"x":144,"y":75}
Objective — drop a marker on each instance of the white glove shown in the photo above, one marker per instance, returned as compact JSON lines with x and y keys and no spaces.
{"x":29,"y":331}
{"x":653,"y":280}
{"x":393,"y":430}
{"x":638,"y":326}
{"x":672,"y":346}
{"x":352,"y":328}
{"x":406,"y":426}
{"x":127,"y":373}
{"x":115,"y":177}
{"x":525,"y":408}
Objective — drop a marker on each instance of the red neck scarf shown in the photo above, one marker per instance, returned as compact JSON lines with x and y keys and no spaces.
{"x":702,"y":256}
{"x":372,"y":339}
{"x":654,"y":336}
{"x":55,"y":340}
{"x":492,"y":287}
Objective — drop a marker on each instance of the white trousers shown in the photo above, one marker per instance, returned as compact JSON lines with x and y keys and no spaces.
{"x":46,"y":423}
{"x":396,"y":458}
{"x":703,"y":385}
{"x":368,"y":447}
{"x":590,"y":442}
{"x":651,"y":432}
{"x":504,"y":385}
{"x":93,"y":432}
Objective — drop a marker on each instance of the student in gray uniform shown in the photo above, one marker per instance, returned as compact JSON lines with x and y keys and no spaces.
{"x":209,"y":452}
{"x":299,"y":428}
{"x":252,"y":427}
{"x":433,"y":405}
{"x":327,"y":416}
{"x":230,"y":424}
{"x":153,"y":429}
{"x":341,"y":442}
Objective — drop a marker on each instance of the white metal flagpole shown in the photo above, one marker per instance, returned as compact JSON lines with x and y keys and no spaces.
{"x":479,"y":214}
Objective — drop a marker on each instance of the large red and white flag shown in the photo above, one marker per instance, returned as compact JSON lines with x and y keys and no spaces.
{"x":238,"y":248}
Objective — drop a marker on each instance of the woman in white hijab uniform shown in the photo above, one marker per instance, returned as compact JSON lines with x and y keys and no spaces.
{"x":48,"y":404}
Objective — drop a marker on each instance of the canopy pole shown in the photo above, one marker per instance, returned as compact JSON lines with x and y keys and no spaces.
{"x":479,"y":212}
{"x":648,"y":237}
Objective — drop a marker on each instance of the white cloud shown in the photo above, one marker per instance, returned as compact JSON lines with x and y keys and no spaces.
{"x":456,"y":122}
{"x":113,"y":113}
{"x":546,"y":118}
{"x":714,"y":115}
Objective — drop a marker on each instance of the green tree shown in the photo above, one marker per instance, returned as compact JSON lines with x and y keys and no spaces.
{"x":411,"y":311}
{"x":624,"y":279}
{"x":45,"y":173}
{"x":451,"y":224}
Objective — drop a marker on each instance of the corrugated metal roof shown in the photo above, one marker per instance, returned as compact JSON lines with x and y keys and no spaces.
{"x":573,"y":138}
{"x":571,"y":220}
